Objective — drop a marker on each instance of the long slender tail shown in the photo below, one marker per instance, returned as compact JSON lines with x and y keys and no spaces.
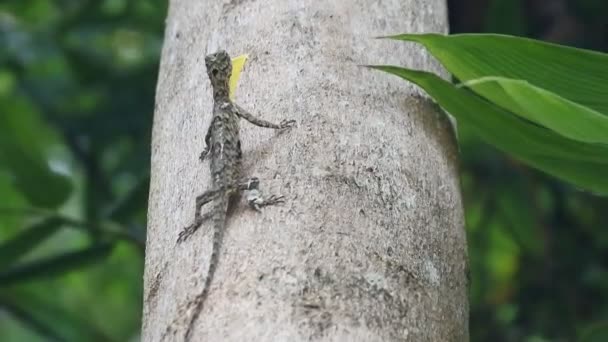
{"x":219,"y":222}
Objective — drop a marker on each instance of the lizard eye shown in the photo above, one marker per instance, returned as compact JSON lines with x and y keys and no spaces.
{"x":214,"y":72}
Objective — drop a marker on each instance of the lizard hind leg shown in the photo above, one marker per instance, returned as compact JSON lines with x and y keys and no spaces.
{"x":208,"y":196}
{"x":255,"y":198}
{"x":201,"y":200}
{"x":257,"y":201}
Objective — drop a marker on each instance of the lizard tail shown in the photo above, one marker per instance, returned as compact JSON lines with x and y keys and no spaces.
{"x":219,"y":222}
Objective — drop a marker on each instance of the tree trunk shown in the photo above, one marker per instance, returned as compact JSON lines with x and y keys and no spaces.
{"x":370,"y":245}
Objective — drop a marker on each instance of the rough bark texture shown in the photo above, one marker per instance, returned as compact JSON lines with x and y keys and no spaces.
{"x":370,"y":245}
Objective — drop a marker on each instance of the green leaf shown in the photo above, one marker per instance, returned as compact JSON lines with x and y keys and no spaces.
{"x":505,"y":17}
{"x":49,"y":315}
{"x":26,"y":240}
{"x":543,"y":107}
{"x":516,"y":212}
{"x":135,"y":200}
{"x":31,"y":320}
{"x":578,"y":75}
{"x":11,"y":197}
{"x":57,"y":265}
{"x":24,"y":138}
{"x":584,"y":165}
{"x":595,"y":332}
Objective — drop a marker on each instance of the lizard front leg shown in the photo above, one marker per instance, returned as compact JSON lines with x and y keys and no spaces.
{"x":261,"y":122}
{"x":207,"y":140}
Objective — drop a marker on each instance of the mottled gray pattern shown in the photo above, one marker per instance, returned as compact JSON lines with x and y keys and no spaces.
{"x":224,"y":151}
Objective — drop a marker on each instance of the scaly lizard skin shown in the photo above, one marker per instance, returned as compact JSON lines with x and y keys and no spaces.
{"x":224,"y":151}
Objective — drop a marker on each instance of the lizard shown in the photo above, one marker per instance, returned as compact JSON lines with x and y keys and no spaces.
{"x":223,"y":148}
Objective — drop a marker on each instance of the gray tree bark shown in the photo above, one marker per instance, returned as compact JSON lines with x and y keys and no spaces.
{"x":370,"y":245}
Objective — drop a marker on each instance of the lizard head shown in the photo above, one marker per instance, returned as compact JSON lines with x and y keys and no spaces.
{"x":219,"y":69}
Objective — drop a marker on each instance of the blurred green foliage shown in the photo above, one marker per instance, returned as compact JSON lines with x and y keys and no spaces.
{"x":538,"y":248}
{"x":76,"y":101}
{"x":77,"y":81}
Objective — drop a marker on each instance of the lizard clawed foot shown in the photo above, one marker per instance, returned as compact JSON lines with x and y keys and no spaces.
{"x":287,"y":124}
{"x":272,"y":200}
{"x":203,"y":154}
{"x":191,"y":229}
{"x":186,"y":233}
{"x":255,"y":200}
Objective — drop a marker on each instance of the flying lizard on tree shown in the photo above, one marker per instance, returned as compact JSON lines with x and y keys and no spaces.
{"x":223,"y":149}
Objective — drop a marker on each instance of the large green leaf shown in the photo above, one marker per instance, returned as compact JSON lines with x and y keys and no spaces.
{"x":134,"y":201}
{"x":515,"y":210}
{"x":24,"y":138}
{"x":11,"y":198}
{"x":49,"y":316}
{"x":56,"y":265}
{"x":585,"y":165}
{"x":19,"y":245}
{"x":578,"y":75}
{"x":30,"y":320}
{"x":543,"y":107}
{"x":595,"y":332}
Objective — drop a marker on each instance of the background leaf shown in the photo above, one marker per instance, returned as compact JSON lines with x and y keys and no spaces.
{"x":596,"y":332}
{"x":48,"y":318}
{"x":54,"y":266}
{"x":24,"y":140}
{"x":19,"y":245}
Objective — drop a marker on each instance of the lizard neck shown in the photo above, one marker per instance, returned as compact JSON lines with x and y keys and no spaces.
{"x":220,"y":94}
